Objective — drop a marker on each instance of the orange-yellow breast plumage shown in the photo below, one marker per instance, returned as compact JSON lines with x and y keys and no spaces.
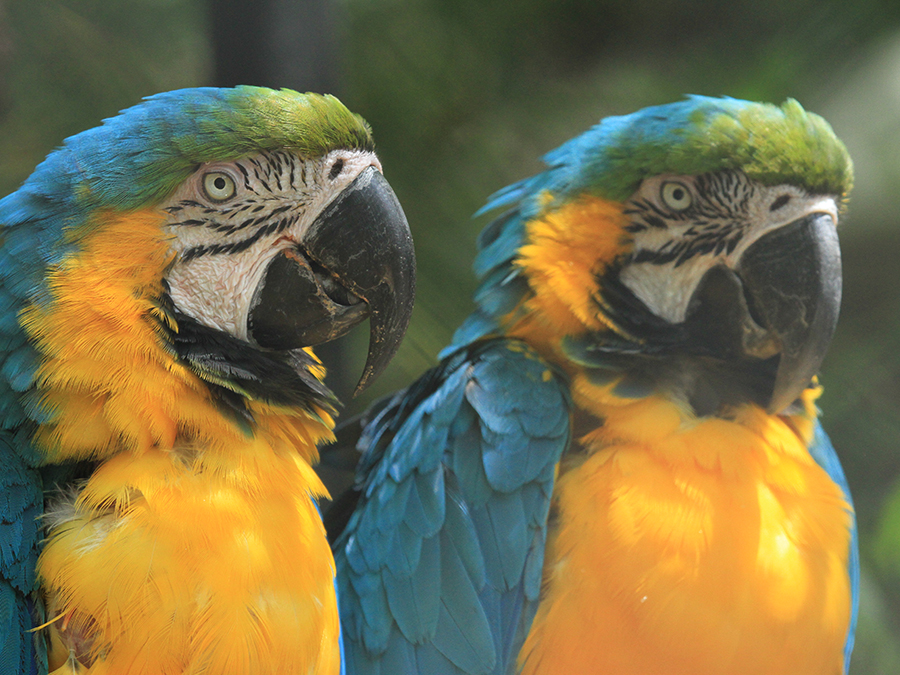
{"x":211,"y":571}
{"x":194,"y":548}
{"x":688,"y":546}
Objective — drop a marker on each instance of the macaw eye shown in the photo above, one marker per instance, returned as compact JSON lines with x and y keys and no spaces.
{"x":218,"y":186}
{"x":676,"y":195}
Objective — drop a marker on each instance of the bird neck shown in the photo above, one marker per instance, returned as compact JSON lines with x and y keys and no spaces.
{"x":567,"y":249}
{"x":106,"y":381}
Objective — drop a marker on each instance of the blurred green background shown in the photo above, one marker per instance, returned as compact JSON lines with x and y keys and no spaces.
{"x":466,"y":95}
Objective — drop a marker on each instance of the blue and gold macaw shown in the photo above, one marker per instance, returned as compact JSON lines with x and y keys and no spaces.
{"x":161,"y":279}
{"x":617,"y":466}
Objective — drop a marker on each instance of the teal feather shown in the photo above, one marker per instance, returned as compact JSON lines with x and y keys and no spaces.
{"x":457,"y":598}
{"x":415,"y":599}
{"x":462,"y":535}
{"x":462,"y":634}
{"x":21,"y":506}
{"x":468,"y":466}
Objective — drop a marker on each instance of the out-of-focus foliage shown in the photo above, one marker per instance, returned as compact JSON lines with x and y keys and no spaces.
{"x":466,"y":95}
{"x":65,"y":64}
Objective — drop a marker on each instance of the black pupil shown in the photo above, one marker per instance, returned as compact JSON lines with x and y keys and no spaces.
{"x":219,"y":183}
{"x":678,"y":194}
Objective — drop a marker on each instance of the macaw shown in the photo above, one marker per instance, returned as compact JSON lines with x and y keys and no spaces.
{"x":617,"y":465}
{"x":162,"y":277}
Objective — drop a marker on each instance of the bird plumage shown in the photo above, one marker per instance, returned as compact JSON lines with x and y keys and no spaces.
{"x":182,"y":533}
{"x":440,"y":565}
{"x":698,"y":520}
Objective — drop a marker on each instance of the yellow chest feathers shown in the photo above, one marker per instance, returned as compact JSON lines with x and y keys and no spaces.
{"x":189,"y":570}
{"x":694,"y":548}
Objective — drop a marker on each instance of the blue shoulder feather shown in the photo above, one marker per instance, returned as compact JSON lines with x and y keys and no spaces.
{"x":21,"y":505}
{"x":439,"y":568}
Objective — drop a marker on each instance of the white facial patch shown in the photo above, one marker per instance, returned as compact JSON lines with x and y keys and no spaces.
{"x":224,"y":245}
{"x":683,"y":226}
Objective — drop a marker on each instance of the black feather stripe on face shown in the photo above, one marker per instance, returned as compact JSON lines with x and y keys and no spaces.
{"x":242,"y":244}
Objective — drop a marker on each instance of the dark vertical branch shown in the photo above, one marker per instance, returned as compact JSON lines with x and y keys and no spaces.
{"x":240,"y":39}
{"x":303,"y":46}
{"x":275,"y":43}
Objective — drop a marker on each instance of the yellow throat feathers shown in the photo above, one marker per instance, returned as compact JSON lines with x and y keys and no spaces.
{"x":566,"y":249}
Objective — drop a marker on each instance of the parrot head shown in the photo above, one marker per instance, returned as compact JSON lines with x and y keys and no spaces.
{"x":290,"y":247}
{"x":692,"y":245}
{"x":241,"y":225}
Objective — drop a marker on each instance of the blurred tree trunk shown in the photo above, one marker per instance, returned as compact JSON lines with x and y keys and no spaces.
{"x":282,"y":43}
{"x":275,"y":43}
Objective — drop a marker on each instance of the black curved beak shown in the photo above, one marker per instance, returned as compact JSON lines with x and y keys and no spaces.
{"x":792,"y":284}
{"x":355,"y":261}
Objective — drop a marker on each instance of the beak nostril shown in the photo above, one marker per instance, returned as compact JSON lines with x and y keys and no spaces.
{"x":336,"y":169}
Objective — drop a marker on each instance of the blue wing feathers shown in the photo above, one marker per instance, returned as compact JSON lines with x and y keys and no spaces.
{"x":19,"y":368}
{"x":476,"y":326}
{"x":501,"y":291}
{"x":415,"y":600}
{"x":398,"y":658}
{"x":445,"y":405}
{"x":425,"y":506}
{"x":430,"y":660}
{"x":468,"y":465}
{"x":438,"y":566}
{"x":21,"y":241}
{"x":462,"y":634}
{"x":502,"y":286}
{"x":503,"y":531}
{"x":392,"y":503}
{"x":406,"y":548}
{"x":499,"y":242}
{"x":11,"y":640}
{"x":462,"y":536}
{"x":21,"y":504}
{"x":534,"y":568}
{"x":9,"y":326}
{"x":368,"y":625}
{"x":9,"y":308}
